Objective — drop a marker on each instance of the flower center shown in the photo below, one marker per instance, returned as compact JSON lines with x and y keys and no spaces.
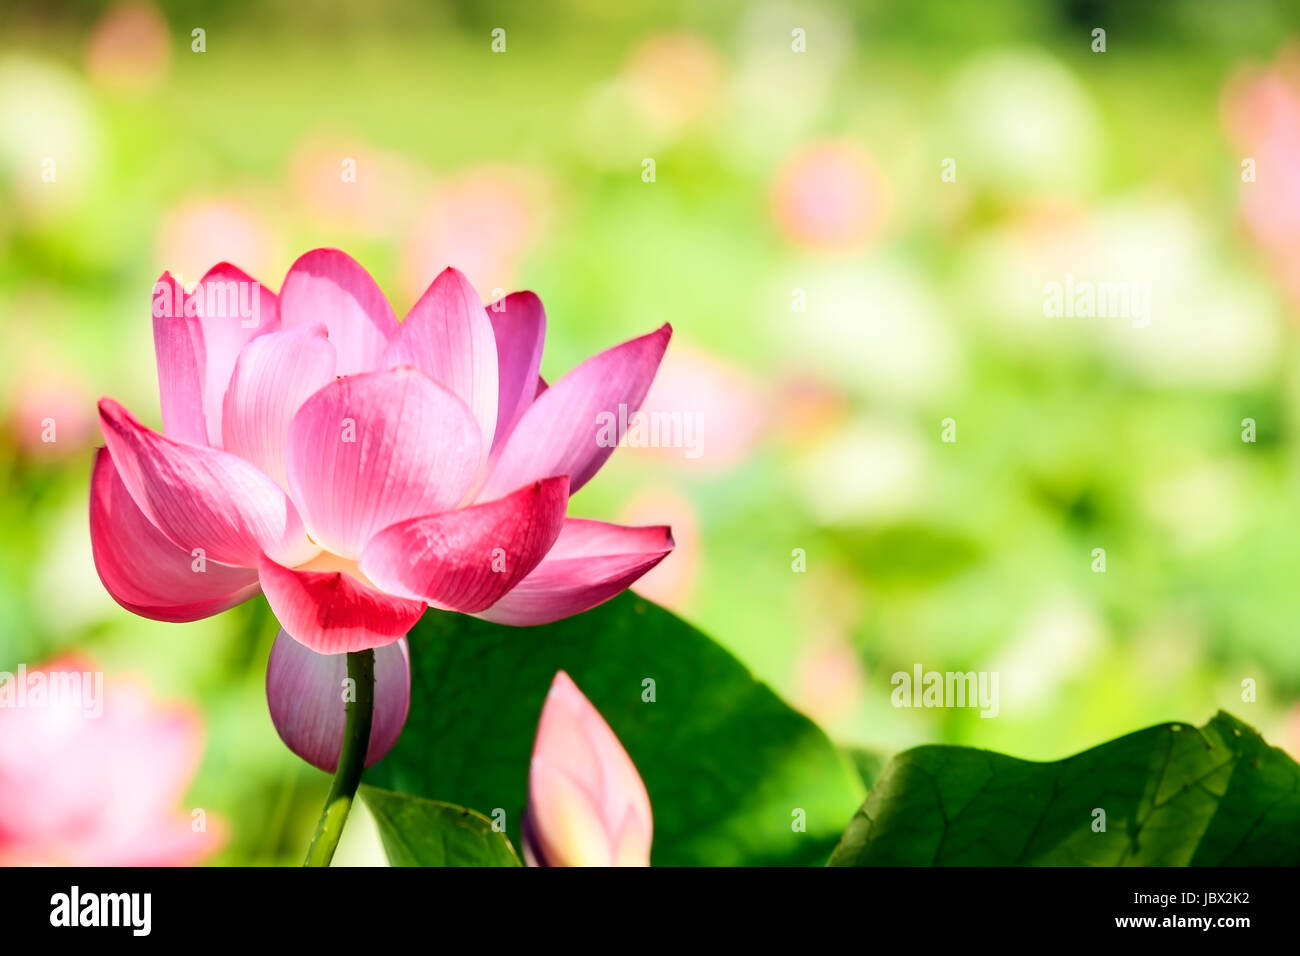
{"x":328,"y":561}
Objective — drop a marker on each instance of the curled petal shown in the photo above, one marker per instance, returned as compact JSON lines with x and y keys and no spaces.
{"x":591,"y":562}
{"x":573,"y":426}
{"x":274,"y":375}
{"x":447,"y":336}
{"x":370,"y":450}
{"x":466,"y":559}
{"x":232,"y":308}
{"x":305,"y":694}
{"x":587,"y":805}
{"x":143,"y":570}
{"x":519,"y":325}
{"x":332,"y":611}
{"x":329,"y":286}
{"x":178,"y":350}
{"x":203,"y":498}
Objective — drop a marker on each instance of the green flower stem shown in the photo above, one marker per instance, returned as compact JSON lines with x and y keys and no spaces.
{"x":352,"y":759}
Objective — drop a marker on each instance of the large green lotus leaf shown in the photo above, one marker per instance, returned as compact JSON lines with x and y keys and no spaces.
{"x":419,"y":832}
{"x":1171,"y":795}
{"x":734,"y":775}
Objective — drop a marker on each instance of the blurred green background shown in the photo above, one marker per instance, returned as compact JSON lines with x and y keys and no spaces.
{"x":835,"y":299}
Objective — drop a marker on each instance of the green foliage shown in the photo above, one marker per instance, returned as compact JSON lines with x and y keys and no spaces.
{"x":1171,"y":795}
{"x":725,"y":762}
{"x":419,"y":832}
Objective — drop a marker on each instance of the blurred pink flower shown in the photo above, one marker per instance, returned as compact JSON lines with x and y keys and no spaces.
{"x":484,"y":219}
{"x":201,"y":231}
{"x":1289,"y":734}
{"x":670,"y":583}
{"x":349,"y":187}
{"x":1261,"y":110}
{"x":49,"y":416}
{"x":829,"y":679}
{"x":80,"y":788}
{"x":807,"y":411}
{"x":357,"y":471}
{"x":675,"y":80}
{"x":830,"y":196}
{"x":701,"y":413}
{"x":129,"y":48}
{"x":587,"y":805}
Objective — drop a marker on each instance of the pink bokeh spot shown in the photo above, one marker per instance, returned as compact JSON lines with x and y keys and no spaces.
{"x":1261,"y":111}
{"x":485,"y":220}
{"x":830,"y":196}
{"x":84,"y":789}
{"x":129,"y":49}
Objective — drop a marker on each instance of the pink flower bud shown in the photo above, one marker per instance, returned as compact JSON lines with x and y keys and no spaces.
{"x":587,"y":805}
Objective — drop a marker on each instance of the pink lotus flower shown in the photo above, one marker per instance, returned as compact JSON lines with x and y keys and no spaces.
{"x":95,"y":779}
{"x":587,"y":805}
{"x":357,"y":471}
